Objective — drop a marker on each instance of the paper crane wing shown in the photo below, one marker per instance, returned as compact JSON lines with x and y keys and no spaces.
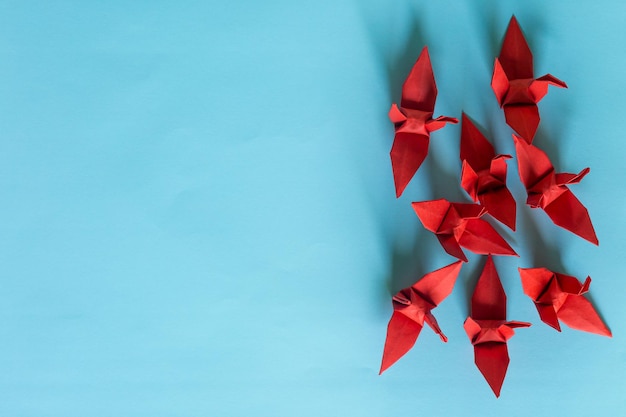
{"x":419,"y":90}
{"x":515,"y":55}
{"x":437,"y":285}
{"x":489,"y":299}
{"x":475,"y":149}
{"x":407,"y":154}
{"x":578,"y":313}
{"x":431,"y":213}
{"x":402,"y":332}
{"x":492,"y":359}
{"x":533,"y":163}
{"x":524,"y":119}
{"x":569,"y":213}
{"x":480,"y":237}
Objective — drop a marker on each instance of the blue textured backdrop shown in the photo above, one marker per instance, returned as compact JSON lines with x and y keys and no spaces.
{"x":198,"y":216}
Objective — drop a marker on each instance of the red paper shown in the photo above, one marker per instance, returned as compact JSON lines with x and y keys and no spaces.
{"x":548,"y":190}
{"x":412,"y":307}
{"x":413,"y":122}
{"x":513,"y":82}
{"x":459,"y":225}
{"x":483,"y":175}
{"x":488,"y":329}
{"x":559,"y":297}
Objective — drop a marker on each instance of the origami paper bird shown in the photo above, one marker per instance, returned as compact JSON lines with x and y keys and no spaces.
{"x":413,"y":122}
{"x":459,"y":225}
{"x":560,"y":297}
{"x":549,"y":191}
{"x":412,"y":307}
{"x":513,"y":82}
{"x":488,"y":329}
{"x":483,"y":175}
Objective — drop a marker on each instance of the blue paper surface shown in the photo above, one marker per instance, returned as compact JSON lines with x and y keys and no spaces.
{"x":198,"y":216}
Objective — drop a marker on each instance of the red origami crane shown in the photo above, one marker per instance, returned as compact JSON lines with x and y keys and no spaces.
{"x":560,"y":297}
{"x":413,"y":122}
{"x":515,"y":86}
{"x":412,"y":307}
{"x":459,"y":225}
{"x":484,"y":174}
{"x":488,"y":329}
{"x":548,"y":190}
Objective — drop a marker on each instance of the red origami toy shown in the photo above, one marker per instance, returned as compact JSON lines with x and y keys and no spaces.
{"x":483,"y":175}
{"x":515,"y":86}
{"x":459,"y":225}
{"x":488,"y":329}
{"x":412,"y":307}
{"x":548,"y":190}
{"x":413,"y":122}
{"x":559,"y":297}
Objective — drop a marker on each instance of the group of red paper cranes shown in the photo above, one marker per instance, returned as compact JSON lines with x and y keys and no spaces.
{"x":558,"y":297}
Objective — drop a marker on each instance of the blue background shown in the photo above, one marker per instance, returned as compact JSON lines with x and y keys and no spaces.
{"x":198,"y":214}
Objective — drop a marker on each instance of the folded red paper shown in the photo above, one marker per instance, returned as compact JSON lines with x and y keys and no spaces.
{"x":413,"y":122}
{"x":412,"y":307}
{"x":548,"y":190}
{"x":459,"y":225}
{"x":515,"y":86}
{"x":483,"y":175}
{"x":488,"y":329}
{"x":559,"y":297}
